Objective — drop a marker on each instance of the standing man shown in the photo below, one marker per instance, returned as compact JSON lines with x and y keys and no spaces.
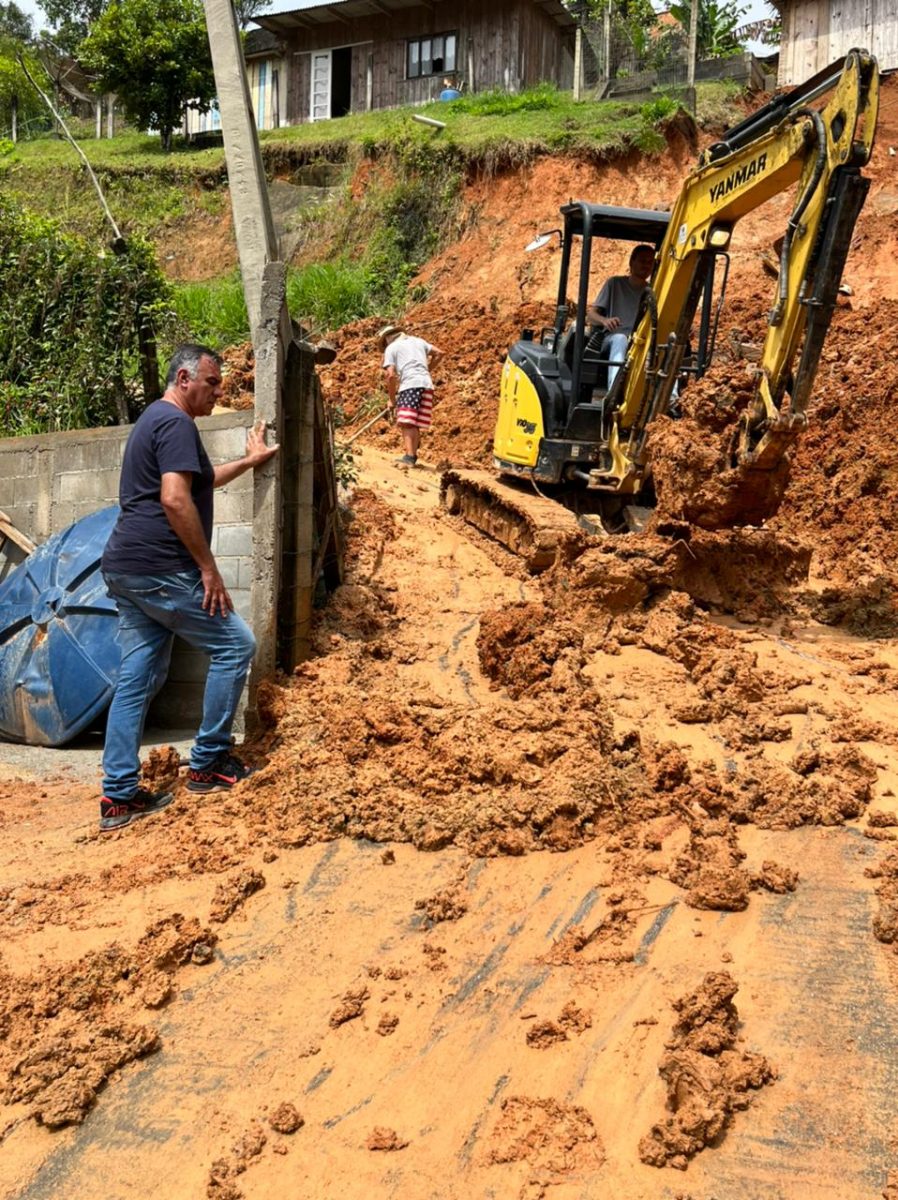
{"x":159,"y":567}
{"x":407,"y":362}
{"x":616,"y":308}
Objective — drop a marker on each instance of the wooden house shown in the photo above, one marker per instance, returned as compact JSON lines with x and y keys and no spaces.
{"x":357,"y":55}
{"x":265,"y":75}
{"x":817,"y":32}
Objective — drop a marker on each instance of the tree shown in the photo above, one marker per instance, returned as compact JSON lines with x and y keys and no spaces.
{"x":717,"y":25}
{"x":19,"y":102}
{"x":71,"y":21}
{"x":154,"y":54}
{"x":15,"y":24}
{"x":246,"y":10}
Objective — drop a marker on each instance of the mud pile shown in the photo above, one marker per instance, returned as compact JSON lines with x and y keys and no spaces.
{"x":550,"y":1136}
{"x":546,"y":764}
{"x":352,"y":761}
{"x":690,"y":457}
{"x":65,"y":1031}
{"x":708,"y":1079}
{"x":844,"y":487}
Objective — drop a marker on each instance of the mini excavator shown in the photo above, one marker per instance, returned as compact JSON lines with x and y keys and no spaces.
{"x":569,"y":451}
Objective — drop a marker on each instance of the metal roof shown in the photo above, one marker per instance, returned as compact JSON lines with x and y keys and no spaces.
{"x":312,"y":16}
{"x":627,"y":224}
{"x":261,"y":42}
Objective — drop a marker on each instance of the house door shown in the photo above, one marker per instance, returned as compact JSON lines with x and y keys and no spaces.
{"x":341,"y":81}
{"x":320,"y":103}
{"x":331,"y":83}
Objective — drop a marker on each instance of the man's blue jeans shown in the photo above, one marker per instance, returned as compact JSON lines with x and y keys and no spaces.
{"x":151,"y":609}
{"x":614,"y":348}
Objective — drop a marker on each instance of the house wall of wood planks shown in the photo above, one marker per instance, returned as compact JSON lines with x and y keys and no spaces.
{"x":510,"y":44}
{"x":817,"y":32}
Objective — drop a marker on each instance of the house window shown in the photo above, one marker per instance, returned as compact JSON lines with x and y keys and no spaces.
{"x":431,"y":55}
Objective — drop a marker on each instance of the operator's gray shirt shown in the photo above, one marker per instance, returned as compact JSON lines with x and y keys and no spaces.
{"x":619,"y":298}
{"x":409,"y":356}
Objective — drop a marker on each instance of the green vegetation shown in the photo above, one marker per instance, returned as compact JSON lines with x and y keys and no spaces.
{"x":717,"y":25}
{"x":148,"y":189}
{"x":68,"y":325}
{"x":381,"y":242}
{"x":154,"y":55}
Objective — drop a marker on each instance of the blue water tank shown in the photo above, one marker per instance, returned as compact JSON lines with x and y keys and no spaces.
{"x":59,"y":660}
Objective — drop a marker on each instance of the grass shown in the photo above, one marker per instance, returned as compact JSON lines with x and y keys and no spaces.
{"x":321,"y":295}
{"x":148,"y":190}
{"x":213,"y":313}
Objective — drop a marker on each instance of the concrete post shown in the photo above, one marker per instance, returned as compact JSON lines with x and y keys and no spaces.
{"x":253,"y":224}
{"x":269,"y":374}
{"x":264,"y":286}
{"x":578,"y":61}
{"x":693,"y":44}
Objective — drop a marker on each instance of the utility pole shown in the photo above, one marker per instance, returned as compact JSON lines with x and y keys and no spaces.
{"x":693,"y":44}
{"x":253,"y":223}
{"x":578,"y":60}
{"x":264,"y":287}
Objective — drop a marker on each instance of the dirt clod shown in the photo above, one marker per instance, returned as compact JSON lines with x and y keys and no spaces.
{"x":382,"y":1138}
{"x":707,"y":1078}
{"x":285,"y":1118}
{"x":233,"y":893}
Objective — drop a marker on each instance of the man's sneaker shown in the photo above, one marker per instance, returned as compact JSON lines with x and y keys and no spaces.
{"x":407,"y":460}
{"x":219,"y":776}
{"x":116,"y":814}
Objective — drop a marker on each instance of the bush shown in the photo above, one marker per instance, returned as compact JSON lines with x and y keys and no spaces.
{"x":68,"y":325}
{"x":500,"y":103}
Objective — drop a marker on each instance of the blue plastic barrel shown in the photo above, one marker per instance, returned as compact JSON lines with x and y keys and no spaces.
{"x":59,"y":659}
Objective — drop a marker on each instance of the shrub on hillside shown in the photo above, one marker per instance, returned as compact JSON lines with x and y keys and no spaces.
{"x":68,"y":325}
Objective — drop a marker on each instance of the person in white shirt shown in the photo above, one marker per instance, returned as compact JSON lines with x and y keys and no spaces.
{"x":407,"y":362}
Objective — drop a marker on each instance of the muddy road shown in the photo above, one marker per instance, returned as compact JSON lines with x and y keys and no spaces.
{"x":464,"y":917}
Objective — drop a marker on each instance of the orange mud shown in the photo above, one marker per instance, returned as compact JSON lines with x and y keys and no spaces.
{"x":707,"y":1078}
{"x":480,"y":917}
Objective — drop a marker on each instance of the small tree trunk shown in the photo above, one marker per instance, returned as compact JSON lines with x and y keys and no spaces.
{"x":15,"y":118}
{"x":166,"y":136}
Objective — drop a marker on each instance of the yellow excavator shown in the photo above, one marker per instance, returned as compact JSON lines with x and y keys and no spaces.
{"x":569,"y":451}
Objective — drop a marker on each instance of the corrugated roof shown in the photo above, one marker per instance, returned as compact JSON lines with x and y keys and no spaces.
{"x":261,"y":41}
{"x":313,"y":15}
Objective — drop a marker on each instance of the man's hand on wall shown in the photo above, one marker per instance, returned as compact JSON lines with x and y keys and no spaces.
{"x":257,"y":452}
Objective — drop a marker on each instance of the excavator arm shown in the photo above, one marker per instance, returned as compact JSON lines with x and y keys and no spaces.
{"x":785,"y":143}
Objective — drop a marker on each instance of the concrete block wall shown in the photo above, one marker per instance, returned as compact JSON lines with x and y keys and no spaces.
{"x":49,"y":481}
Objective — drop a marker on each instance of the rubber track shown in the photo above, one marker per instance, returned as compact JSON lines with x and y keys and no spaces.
{"x":525,"y":523}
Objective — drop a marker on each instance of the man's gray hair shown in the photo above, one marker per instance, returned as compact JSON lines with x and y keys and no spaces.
{"x":189,"y":355}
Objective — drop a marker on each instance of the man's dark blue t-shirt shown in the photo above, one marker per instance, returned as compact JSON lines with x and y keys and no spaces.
{"x":143,"y":543}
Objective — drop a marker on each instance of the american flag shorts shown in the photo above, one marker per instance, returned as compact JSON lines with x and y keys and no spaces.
{"x":414,"y":406}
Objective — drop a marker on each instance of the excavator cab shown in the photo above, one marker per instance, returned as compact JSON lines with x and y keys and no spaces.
{"x":555,"y":406}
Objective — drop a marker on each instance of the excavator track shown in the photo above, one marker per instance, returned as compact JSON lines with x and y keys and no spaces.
{"x":527,"y":524}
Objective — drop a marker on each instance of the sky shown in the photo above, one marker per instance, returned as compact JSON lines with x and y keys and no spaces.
{"x":757,"y":9}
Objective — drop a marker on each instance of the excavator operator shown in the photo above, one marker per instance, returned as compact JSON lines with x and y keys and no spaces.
{"x":616,"y":308}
